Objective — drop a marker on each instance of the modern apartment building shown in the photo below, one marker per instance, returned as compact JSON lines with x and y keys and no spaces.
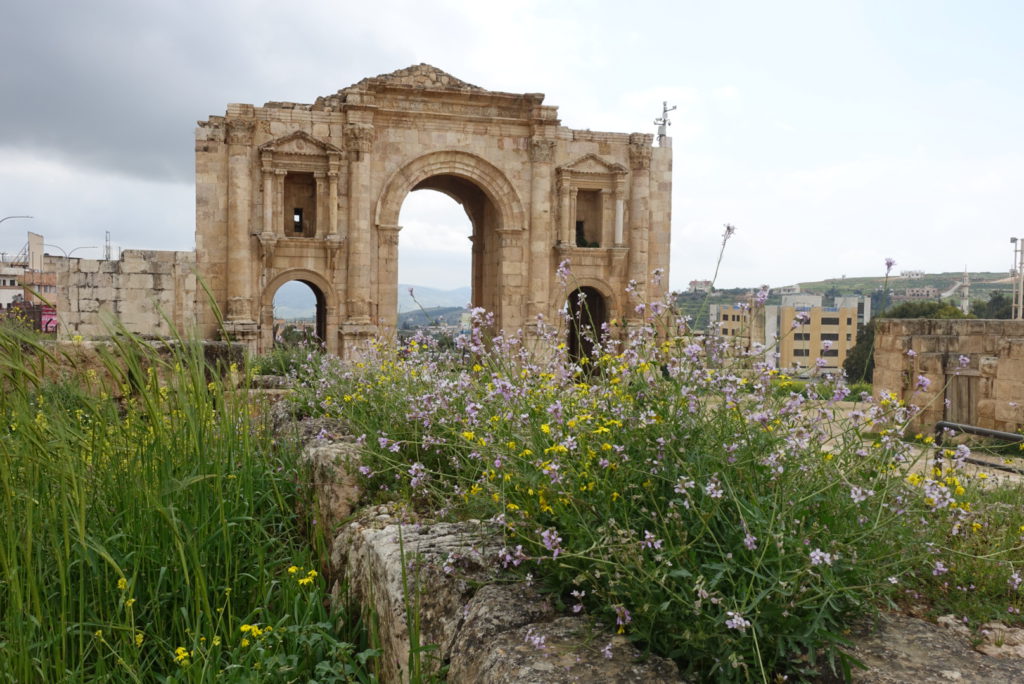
{"x":801,"y":333}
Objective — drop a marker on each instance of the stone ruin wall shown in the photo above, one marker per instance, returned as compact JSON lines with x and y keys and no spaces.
{"x":536,"y":193}
{"x":988,"y":391}
{"x":148,"y":291}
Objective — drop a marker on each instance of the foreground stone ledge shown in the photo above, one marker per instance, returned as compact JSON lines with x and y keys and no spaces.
{"x":442,"y":577}
{"x":486,"y":629}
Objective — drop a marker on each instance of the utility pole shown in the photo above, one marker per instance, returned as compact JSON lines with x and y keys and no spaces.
{"x":663,"y":123}
{"x":1018,"y":278}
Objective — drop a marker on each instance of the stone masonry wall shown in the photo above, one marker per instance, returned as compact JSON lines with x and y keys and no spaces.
{"x":984,"y":388}
{"x":141,"y":289}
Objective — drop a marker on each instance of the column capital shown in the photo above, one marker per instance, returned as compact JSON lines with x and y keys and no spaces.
{"x":240,"y":131}
{"x":541,"y":150}
{"x":639,"y":157}
{"x":359,"y":137}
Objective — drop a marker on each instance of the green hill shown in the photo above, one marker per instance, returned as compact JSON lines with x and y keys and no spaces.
{"x":982,"y":283}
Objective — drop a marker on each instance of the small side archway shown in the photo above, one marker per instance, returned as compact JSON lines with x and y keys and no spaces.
{"x":589,"y":312}
{"x":326,"y":317}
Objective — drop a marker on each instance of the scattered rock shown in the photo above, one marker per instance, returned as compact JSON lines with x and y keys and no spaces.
{"x":1001,"y":641}
{"x":898,"y":649}
{"x":437,"y":584}
{"x":271,"y":382}
{"x":337,"y":491}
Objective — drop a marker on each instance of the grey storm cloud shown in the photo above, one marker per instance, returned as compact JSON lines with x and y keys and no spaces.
{"x":118,"y":86}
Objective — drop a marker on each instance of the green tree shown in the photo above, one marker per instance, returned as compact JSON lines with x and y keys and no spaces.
{"x":999,"y":305}
{"x":860,"y":361}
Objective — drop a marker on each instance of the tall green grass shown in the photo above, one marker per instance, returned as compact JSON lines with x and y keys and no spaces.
{"x":148,"y":527}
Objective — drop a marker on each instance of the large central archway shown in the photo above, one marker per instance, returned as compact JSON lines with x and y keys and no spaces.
{"x":496,"y":216}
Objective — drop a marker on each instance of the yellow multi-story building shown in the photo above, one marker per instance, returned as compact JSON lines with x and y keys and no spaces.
{"x":800,"y":334}
{"x":810,"y":333}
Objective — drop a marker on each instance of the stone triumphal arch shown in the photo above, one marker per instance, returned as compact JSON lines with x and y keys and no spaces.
{"x":312,"y":192}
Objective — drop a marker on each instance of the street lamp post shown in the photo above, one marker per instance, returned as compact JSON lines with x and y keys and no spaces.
{"x":67,"y":255}
{"x":10,"y":217}
{"x":1018,"y":278}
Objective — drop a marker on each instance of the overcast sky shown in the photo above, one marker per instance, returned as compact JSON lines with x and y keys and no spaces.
{"x":831,"y":134}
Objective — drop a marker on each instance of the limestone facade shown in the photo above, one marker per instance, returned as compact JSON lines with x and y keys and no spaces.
{"x":312,"y":192}
{"x":984,"y":388}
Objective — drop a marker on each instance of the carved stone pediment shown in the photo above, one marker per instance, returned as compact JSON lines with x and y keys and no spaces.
{"x":419,"y":76}
{"x":593,"y":164}
{"x":299,"y":143}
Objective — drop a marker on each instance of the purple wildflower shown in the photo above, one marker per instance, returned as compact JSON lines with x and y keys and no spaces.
{"x":736,"y":621}
{"x":858,"y":494}
{"x":819,"y":557}
{"x":650,"y":541}
{"x":622,"y":617}
{"x":563,"y":272}
{"x":713,"y":488}
{"x":417,"y":475}
{"x":552,"y":542}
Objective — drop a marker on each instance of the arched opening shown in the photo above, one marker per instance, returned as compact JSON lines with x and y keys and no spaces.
{"x":588,"y":316}
{"x":435,"y":260}
{"x":451,"y":271}
{"x":498,"y":280}
{"x":300,"y":314}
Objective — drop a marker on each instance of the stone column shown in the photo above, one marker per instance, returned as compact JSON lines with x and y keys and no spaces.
{"x":564,"y":214}
{"x":387,"y":275}
{"x":359,"y":140}
{"x":511,"y":268}
{"x":607,"y":209}
{"x":268,"y":195}
{"x":332,"y":195}
{"x":322,"y":219}
{"x":239,"y":253}
{"x":278,"y":219}
{"x":573,"y":194}
{"x":333,"y":235}
{"x":542,"y":229}
{"x":620,"y":211}
{"x":639,"y":215}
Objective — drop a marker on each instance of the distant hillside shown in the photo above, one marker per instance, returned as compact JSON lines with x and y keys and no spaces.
{"x":428,"y":297}
{"x":446,"y":315}
{"x":294,"y":301}
{"x":982,"y":283}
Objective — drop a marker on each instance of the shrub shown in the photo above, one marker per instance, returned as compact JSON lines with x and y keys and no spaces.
{"x":697,"y":509}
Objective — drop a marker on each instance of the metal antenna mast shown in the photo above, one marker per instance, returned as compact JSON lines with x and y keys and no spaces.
{"x":106,"y":247}
{"x":663,"y":123}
